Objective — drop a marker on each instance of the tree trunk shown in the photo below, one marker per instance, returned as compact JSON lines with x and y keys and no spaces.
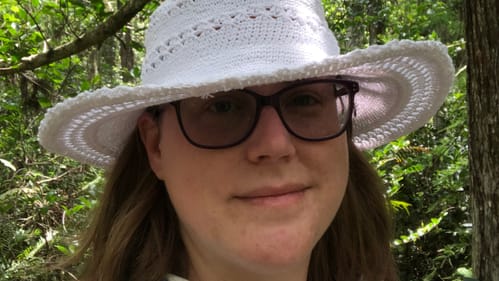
{"x":355,"y":31}
{"x":377,"y":26}
{"x":482,"y":44}
{"x":126,"y":54}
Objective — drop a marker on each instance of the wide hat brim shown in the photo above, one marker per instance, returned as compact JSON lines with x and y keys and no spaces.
{"x":402,"y":85}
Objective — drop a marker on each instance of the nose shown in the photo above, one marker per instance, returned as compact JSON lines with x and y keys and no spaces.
{"x":270,"y":141}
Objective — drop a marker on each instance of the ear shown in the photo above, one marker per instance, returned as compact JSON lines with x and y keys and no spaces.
{"x":150,"y":134}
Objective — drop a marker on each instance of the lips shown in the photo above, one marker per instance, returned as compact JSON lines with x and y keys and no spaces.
{"x":288,"y":197}
{"x":271,"y":191}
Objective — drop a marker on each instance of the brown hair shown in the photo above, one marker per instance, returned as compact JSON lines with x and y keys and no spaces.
{"x":135,"y":236}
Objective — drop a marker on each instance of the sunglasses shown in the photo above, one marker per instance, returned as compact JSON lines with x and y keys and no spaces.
{"x":311,"y":110}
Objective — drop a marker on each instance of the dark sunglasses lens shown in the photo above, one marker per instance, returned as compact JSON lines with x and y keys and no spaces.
{"x":220,"y":120}
{"x":316,"y":110}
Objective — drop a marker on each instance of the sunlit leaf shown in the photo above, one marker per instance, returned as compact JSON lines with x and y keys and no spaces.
{"x":8,"y":164}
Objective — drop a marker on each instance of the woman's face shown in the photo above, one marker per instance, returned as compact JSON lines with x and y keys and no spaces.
{"x":258,"y":207}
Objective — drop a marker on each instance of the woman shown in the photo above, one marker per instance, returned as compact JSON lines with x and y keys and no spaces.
{"x":238,"y":157}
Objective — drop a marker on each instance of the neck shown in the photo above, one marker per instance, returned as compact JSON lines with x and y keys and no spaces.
{"x":198,"y":275}
{"x":213,"y":271}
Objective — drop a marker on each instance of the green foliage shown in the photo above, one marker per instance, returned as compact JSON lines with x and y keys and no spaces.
{"x":426,"y":172}
{"x":45,"y":199}
{"x":42,"y":196}
{"x":429,"y":171}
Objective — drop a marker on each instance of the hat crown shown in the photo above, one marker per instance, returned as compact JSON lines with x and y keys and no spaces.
{"x":196,"y":41}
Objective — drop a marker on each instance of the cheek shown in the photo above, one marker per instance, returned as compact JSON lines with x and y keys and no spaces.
{"x":176,"y":167}
{"x":198,"y":199}
{"x":329,"y":162}
{"x":188,"y":174}
{"x":330,"y":166}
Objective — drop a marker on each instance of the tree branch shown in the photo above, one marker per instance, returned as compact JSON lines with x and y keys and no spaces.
{"x":94,"y":37}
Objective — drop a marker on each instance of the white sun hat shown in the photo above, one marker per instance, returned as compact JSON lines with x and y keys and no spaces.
{"x":198,"y":47}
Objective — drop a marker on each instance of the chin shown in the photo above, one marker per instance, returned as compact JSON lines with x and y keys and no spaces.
{"x":279,"y":257}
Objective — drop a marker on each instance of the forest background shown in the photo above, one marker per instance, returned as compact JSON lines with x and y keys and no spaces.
{"x":45,"y":199}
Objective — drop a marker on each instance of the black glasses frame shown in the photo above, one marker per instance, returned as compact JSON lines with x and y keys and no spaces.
{"x":351,"y":88}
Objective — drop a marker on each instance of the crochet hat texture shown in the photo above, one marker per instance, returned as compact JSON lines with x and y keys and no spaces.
{"x":198,"y":47}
